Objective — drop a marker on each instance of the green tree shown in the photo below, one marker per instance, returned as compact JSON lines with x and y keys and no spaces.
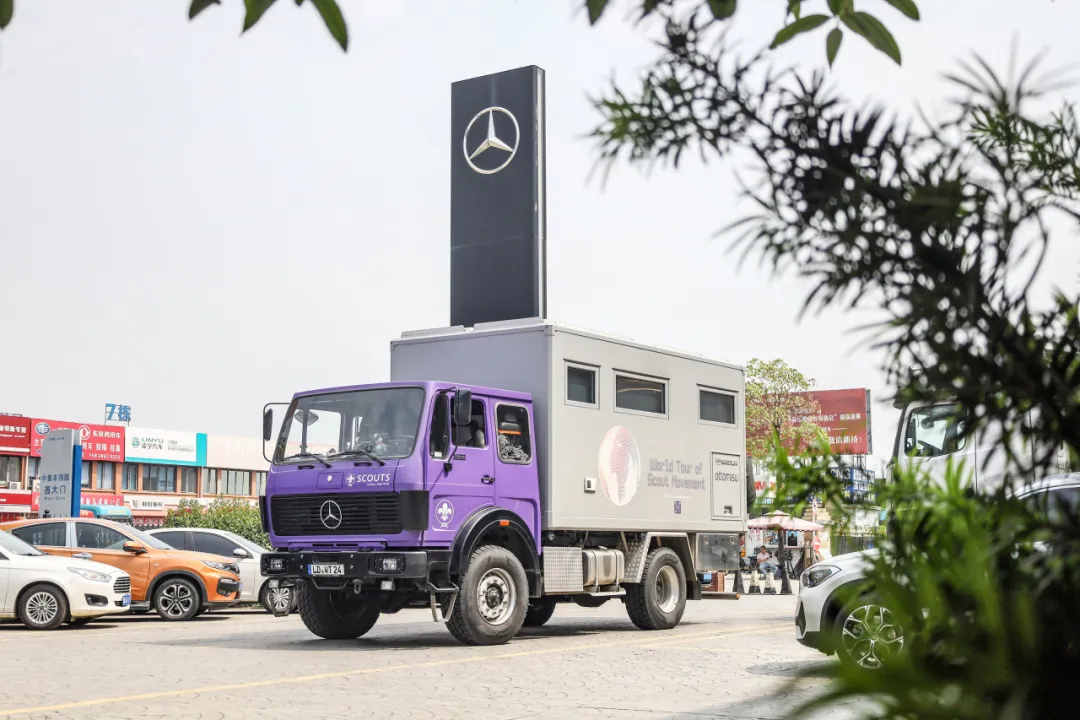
{"x":230,"y":514}
{"x":775,"y":400}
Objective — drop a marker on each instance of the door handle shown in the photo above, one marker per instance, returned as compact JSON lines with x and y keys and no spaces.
{"x":83,"y":556}
{"x":487,"y":479}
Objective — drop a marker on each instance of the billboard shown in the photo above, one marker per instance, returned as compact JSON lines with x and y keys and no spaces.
{"x":165,"y":447}
{"x":845,"y":416}
{"x":14,"y":435}
{"x":99,"y":442}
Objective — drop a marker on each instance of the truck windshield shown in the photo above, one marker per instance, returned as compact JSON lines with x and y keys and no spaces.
{"x":383,"y":422}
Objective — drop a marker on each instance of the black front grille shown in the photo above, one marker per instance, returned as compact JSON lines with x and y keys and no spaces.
{"x":122,"y":585}
{"x":361,"y":514}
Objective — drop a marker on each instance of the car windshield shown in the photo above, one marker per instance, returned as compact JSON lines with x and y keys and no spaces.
{"x":11,"y":544}
{"x":383,"y":422}
{"x":1056,"y":503}
{"x":244,"y":542}
{"x":146,"y":539}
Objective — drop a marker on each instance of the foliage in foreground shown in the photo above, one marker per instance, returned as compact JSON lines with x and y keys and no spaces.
{"x":230,"y":514}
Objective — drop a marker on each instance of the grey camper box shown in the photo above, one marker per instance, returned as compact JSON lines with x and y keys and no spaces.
{"x":629,"y":437}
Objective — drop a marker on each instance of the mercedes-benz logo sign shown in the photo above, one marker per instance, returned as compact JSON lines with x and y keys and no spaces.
{"x":491,"y":141}
{"x":330,"y":514}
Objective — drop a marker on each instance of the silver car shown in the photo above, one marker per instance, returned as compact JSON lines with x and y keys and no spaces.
{"x":245,"y":553}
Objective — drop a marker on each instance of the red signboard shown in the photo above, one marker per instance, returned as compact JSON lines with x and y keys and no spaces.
{"x":845,"y":416}
{"x":14,"y":435}
{"x":99,"y":442}
{"x":14,"y":497}
{"x":117,"y":500}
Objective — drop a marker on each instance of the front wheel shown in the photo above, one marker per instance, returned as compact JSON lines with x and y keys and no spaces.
{"x":867,"y":635}
{"x":493,"y":599}
{"x":659,"y":600}
{"x":335,"y":614}
{"x":177,"y":599}
{"x":282,"y":599}
{"x":43,"y":607}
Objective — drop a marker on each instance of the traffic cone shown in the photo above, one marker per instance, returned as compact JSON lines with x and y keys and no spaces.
{"x":770,"y":586}
{"x":754,"y":589}
{"x":738,"y":586}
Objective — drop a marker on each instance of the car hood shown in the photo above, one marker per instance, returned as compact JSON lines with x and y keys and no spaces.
{"x":854,"y":560}
{"x":59,"y":562}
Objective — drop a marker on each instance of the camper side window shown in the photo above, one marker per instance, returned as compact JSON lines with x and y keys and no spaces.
{"x":638,"y":394}
{"x":515,"y":444}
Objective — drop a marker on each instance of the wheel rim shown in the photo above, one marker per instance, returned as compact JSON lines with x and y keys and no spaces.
{"x":176,"y":600}
{"x":667,"y":589}
{"x":280,"y":599}
{"x":496,"y":595}
{"x":871,"y":636}
{"x":41,"y":608}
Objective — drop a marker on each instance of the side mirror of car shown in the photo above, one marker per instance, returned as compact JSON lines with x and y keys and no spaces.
{"x":134,"y":548}
{"x":241,"y":553}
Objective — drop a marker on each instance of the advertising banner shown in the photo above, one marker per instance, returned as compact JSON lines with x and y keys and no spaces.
{"x":60,"y":473}
{"x":165,"y":447}
{"x":99,"y":442}
{"x":845,"y":416}
{"x":14,"y":435}
{"x":15,"y":501}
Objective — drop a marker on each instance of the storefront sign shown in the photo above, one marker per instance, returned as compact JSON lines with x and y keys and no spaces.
{"x":14,"y":435}
{"x":165,"y":447}
{"x":117,"y":413}
{"x":158,"y":503}
{"x":15,"y":501}
{"x":59,"y":479}
{"x":99,"y":442}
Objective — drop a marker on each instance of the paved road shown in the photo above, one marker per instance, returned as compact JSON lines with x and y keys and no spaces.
{"x":728,"y":659}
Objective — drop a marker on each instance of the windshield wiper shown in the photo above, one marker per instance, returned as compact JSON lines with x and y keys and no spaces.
{"x":313,"y":456}
{"x":363,"y":453}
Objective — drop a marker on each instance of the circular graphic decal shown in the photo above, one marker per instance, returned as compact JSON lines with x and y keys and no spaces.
{"x":619,"y":465}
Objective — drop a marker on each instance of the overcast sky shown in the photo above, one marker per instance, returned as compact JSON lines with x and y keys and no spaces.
{"x":194,"y":223}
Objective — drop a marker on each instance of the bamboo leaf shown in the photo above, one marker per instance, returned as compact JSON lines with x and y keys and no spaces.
{"x":255,"y":10}
{"x":832,"y":44}
{"x":908,"y":7}
{"x":798,"y":27}
{"x":7,"y":11}
{"x":335,"y":21}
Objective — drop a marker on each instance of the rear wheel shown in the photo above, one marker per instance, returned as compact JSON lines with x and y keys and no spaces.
{"x":177,"y":598}
{"x":659,"y":600}
{"x":493,"y":600}
{"x":539,"y":612}
{"x":335,"y":614}
{"x":43,"y":607}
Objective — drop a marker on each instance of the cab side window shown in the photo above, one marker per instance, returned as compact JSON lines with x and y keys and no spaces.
{"x":473,"y":435}
{"x":98,"y":537}
{"x":46,"y":534}
{"x":440,"y":428}
{"x":515,"y":443}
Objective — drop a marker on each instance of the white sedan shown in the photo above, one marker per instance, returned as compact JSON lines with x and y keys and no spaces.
{"x":45,"y":591}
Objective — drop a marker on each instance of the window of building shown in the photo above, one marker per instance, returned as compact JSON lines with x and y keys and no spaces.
{"x":260,"y":479}
{"x":581,"y":385}
{"x":159,"y":478}
{"x":106,"y":476}
{"x":716,"y":407}
{"x":10,"y":470}
{"x":515,"y":443}
{"x":236,"y":482}
{"x":209,"y":481}
{"x":98,"y":537}
{"x":637,"y":394}
{"x":213,"y":544}
{"x":86,"y":474}
{"x":130,"y":478}
{"x":189,"y":479}
{"x":43,"y":534}
{"x":32,"y":465}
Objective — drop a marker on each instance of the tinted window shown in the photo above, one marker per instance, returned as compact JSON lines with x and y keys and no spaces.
{"x":640,"y":395}
{"x":717,"y":407}
{"x":175,"y":539}
{"x":47,"y":534}
{"x":515,"y":445}
{"x":213,"y":544}
{"x":580,"y":385}
{"x":98,"y":537}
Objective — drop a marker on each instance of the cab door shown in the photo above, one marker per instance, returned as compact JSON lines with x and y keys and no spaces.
{"x":460,"y":465}
{"x":104,"y":544}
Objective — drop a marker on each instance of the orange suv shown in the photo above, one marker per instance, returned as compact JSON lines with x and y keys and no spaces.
{"x":177,"y":584}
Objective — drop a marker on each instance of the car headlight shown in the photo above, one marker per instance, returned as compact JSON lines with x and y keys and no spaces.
{"x":817,"y":575}
{"x":224,"y":567}
{"x":92,"y":575}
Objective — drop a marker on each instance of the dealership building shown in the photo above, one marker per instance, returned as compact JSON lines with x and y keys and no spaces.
{"x":131,"y":472}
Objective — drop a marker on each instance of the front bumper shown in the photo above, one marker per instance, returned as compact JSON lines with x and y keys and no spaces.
{"x":91,"y":599}
{"x":363,"y":565}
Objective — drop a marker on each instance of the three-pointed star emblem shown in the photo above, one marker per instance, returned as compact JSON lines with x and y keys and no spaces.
{"x":330,"y":515}
{"x":491,"y":141}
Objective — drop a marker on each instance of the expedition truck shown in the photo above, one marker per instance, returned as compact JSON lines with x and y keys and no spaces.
{"x":504,"y":469}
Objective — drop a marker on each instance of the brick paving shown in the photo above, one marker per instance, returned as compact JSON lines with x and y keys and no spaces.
{"x":728,"y":659}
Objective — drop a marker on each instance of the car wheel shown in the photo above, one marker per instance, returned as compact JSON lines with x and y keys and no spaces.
{"x":43,"y":607}
{"x":177,"y":598}
{"x":866,"y":634}
{"x":659,"y":600}
{"x":280,"y":598}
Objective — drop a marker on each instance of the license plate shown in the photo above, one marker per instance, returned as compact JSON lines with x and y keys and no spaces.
{"x":331,"y":569}
{"x":125,"y":600}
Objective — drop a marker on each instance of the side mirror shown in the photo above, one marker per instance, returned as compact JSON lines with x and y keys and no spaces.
{"x":268,"y":424}
{"x":134,"y":548}
{"x":241,"y":553}
{"x":463,"y":407}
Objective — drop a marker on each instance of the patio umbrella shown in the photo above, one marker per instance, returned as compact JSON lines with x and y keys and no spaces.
{"x":782,"y":520}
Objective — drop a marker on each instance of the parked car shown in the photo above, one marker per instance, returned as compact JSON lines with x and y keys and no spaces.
{"x":178,"y":585}
{"x":43,"y":591}
{"x":246,"y":554}
{"x":863,"y":631}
